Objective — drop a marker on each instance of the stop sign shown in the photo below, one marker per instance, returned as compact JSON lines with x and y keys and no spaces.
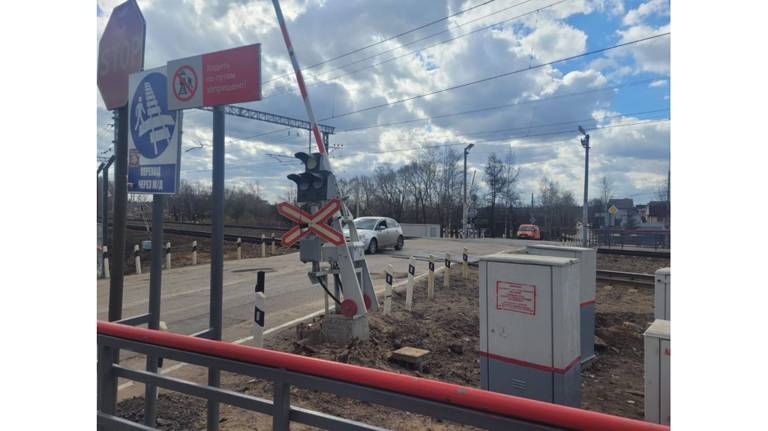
{"x":121,"y":52}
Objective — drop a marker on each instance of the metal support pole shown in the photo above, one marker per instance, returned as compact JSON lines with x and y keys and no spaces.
{"x":281,"y":410}
{"x":155,"y":285}
{"x":106,"y":391}
{"x":105,"y":211}
{"x":217,"y":253}
{"x":120,"y":202}
{"x":464,"y":202}
{"x":585,"y":215}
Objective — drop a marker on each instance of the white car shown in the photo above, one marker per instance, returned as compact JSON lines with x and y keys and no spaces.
{"x":378,"y":232}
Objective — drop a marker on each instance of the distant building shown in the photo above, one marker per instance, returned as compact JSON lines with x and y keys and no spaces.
{"x":658,"y":212}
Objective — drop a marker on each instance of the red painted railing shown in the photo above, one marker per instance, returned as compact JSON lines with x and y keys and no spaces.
{"x":462,"y":396}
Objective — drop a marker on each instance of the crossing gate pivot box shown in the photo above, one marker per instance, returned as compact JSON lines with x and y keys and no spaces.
{"x":587,"y":280}
{"x":529,"y":327}
{"x":657,"y":372}
{"x":661,"y":303}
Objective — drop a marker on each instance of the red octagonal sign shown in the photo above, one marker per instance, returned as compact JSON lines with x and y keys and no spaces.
{"x":121,"y":52}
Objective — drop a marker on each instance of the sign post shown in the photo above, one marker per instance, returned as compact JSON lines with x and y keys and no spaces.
{"x":121,"y":52}
{"x":215,"y":79}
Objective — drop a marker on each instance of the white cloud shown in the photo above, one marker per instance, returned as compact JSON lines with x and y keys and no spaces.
{"x":325,"y":29}
{"x":645,"y":10}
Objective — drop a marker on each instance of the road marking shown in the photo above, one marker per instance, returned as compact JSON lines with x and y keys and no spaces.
{"x":275,"y":329}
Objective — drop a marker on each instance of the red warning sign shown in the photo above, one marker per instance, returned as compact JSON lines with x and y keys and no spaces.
{"x":517,"y":297}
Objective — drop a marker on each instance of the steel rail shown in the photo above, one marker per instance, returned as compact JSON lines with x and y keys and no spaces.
{"x":627,"y":277}
{"x":634,"y":252}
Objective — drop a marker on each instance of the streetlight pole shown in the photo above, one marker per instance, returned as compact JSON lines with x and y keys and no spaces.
{"x":585,"y":213}
{"x":464,"y":202}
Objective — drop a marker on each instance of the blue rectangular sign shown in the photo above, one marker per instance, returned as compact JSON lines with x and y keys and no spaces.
{"x":154,"y":150}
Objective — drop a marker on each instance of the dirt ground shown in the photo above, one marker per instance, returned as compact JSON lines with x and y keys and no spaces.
{"x":181,"y":250}
{"x":449,"y":328}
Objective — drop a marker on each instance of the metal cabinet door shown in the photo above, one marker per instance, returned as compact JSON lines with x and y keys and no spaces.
{"x":664,"y":374}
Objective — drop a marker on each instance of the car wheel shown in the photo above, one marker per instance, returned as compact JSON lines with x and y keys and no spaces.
{"x":400,"y":242}
{"x":372,"y":246}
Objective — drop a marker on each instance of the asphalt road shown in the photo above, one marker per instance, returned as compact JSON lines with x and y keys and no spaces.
{"x":290,"y":296}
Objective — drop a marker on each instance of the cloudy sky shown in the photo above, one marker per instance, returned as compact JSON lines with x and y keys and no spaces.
{"x":620,"y":95}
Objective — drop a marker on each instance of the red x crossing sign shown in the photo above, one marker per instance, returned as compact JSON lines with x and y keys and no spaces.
{"x":311,"y":223}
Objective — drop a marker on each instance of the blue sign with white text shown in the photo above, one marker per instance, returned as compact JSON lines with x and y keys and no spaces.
{"x":153,"y":138}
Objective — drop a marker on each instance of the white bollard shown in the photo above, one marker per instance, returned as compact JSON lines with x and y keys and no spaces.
{"x":465,"y":263}
{"x":272,"y":251}
{"x":239,"y":248}
{"x":263,"y":246}
{"x":447,"y":275}
{"x":137,"y":258}
{"x":105,"y":261}
{"x":388,"y":291}
{"x":259,"y":310}
{"x":431,"y":278}
{"x":167,"y":255}
{"x":194,"y":252}
{"x":409,"y":288}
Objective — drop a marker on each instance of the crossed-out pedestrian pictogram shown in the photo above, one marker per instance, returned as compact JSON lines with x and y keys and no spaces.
{"x":315,"y":223}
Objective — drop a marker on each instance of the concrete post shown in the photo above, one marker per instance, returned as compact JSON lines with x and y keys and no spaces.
{"x":137,"y":258}
{"x":105,"y":261}
{"x":263,"y":246}
{"x":239,"y":248}
{"x":431,"y":278}
{"x":447,"y":275}
{"x":465,"y":263}
{"x":272,"y":251}
{"x":194,"y":252}
{"x":388,"y":291}
{"x":409,"y":288}
{"x":167,"y":255}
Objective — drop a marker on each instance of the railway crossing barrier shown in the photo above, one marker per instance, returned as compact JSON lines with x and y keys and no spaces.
{"x":388,"y":290}
{"x":259,"y":311}
{"x":431,"y":278}
{"x":447,"y":275}
{"x":409,"y":288}
{"x":441,"y":400}
{"x":105,"y":261}
{"x":167,"y":255}
{"x":263,"y":246}
{"x":137,"y":258}
{"x":465,"y":263}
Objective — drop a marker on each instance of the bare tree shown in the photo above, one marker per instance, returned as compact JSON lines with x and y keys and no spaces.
{"x":509,"y":193}
{"x":495,"y":178}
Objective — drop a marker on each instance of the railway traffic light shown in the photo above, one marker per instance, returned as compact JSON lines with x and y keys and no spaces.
{"x":316,"y":183}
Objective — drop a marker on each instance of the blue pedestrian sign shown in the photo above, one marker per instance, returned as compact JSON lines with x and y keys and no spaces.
{"x":154,"y":150}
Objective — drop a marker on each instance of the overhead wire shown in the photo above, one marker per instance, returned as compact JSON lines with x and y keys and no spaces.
{"x":354,"y":51}
{"x":317,"y":81}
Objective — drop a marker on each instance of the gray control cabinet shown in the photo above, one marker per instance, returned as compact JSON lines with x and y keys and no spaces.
{"x":529,"y":327}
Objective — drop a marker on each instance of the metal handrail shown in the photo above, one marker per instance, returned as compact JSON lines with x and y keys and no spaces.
{"x":421,"y":395}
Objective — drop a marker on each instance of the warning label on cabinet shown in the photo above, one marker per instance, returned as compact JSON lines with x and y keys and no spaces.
{"x":517,"y":297}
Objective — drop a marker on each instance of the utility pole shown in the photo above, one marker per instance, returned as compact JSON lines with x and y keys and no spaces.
{"x":585,"y":214}
{"x":464,"y":206}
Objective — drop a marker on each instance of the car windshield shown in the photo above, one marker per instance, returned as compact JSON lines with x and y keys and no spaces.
{"x":526,"y":228}
{"x":365,"y":223}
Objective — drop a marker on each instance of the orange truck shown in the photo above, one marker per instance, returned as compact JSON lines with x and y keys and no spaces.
{"x":528,"y":231}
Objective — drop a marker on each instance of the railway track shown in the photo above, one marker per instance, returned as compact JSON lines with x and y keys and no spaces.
{"x":634,"y":252}
{"x":635,"y":278}
{"x":200,"y":231}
